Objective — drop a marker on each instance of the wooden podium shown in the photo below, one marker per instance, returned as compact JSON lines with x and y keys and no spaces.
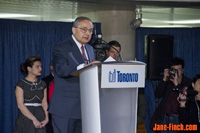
{"x":109,"y":94}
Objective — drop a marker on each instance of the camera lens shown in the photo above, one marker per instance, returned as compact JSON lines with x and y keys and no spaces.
{"x":100,"y":55}
{"x":172,"y":72}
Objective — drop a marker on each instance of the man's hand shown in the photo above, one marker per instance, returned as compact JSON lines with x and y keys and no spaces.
{"x":175,"y":79}
{"x":92,"y":63}
{"x":182,"y":101}
{"x":166,"y":74}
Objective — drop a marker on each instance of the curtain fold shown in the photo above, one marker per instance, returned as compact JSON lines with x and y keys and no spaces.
{"x":18,"y":40}
{"x":186,"y":45}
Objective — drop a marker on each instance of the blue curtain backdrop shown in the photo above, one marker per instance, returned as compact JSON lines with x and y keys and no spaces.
{"x":18,"y":40}
{"x":186,"y":45}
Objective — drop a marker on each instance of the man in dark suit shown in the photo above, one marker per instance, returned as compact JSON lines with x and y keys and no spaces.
{"x":48,"y":79}
{"x":68,"y":56}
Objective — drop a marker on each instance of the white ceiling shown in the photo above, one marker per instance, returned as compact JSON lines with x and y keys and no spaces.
{"x":155,"y":13}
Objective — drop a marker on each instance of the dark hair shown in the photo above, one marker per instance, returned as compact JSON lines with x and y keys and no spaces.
{"x":28,"y":63}
{"x":195,"y":78}
{"x":177,"y":61}
{"x":113,"y":43}
{"x":79,"y":19}
{"x":191,"y":90}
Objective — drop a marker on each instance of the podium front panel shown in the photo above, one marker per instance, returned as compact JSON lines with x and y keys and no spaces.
{"x":90,"y":110}
{"x":118,"y":110}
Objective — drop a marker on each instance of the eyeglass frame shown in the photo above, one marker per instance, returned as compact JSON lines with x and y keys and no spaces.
{"x":84,"y":30}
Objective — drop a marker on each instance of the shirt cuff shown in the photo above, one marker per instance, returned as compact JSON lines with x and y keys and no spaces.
{"x":80,"y":66}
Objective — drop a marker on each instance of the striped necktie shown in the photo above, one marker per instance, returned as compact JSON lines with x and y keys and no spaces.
{"x":84,"y":56}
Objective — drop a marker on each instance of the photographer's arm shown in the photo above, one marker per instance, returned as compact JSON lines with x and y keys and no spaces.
{"x":166,"y":74}
{"x":161,"y":87}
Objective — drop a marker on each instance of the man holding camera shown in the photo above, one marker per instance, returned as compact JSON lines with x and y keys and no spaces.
{"x":168,"y":89}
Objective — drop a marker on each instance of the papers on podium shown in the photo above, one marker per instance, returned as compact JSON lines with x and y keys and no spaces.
{"x":109,"y":59}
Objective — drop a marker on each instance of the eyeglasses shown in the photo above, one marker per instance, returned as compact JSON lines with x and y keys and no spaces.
{"x":84,"y":30}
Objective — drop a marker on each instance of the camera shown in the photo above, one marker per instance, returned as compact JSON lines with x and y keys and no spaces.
{"x":184,"y":92}
{"x":100,"y":47}
{"x":172,"y":72}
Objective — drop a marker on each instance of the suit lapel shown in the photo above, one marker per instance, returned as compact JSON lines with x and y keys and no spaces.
{"x":88,"y":53}
{"x":76,"y":52}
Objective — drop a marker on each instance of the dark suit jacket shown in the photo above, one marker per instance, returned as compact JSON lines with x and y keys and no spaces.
{"x":65,"y":100}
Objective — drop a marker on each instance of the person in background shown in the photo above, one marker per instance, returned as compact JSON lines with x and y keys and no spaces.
{"x":69,"y":56}
{"x":168,"y":89}
{"x":48,"y":79}
{"x":31,"y":95}
{"x":113,"y":50}
{"x":189,"y":112}
{"x":49,"y":83}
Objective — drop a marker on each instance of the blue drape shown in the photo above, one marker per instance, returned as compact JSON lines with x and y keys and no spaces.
{"x":18,"y":40}
{"x":186,"y":46}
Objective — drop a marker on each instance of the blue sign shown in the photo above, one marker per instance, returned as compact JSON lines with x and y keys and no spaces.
{"x":117,"y":76}
{"x":122,"y":76}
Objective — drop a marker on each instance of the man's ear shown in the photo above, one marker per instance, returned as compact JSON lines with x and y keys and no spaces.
{"x":73,"y":30}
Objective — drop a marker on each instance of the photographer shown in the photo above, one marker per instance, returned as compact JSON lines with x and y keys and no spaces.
{"x":189,"y":112}
{"x":168,"y":89}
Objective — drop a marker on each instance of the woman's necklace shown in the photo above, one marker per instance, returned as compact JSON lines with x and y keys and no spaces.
{"x":31,"y":80}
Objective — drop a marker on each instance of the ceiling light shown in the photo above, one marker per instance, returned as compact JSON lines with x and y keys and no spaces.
{"x":135,"y":23}
{"x":67,"y":20}
{"x":168,"y":26}
{"x":16,"y":15}
{"x":184,"y":22}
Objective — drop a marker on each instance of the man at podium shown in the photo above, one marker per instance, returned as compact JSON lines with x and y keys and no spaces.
{"x":68,"y":56}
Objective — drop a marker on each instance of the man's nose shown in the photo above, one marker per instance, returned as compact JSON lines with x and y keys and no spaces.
{"x":116,"y":54}
{"x":88,"y":32}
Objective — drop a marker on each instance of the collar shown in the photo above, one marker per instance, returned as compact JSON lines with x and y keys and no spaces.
{"x":52,"y":74}
{"x":77,"y":43}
